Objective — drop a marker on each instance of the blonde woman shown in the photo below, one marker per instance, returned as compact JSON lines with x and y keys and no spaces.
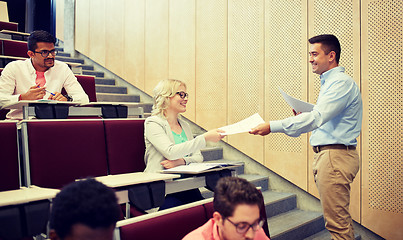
{"x":169,"y":140}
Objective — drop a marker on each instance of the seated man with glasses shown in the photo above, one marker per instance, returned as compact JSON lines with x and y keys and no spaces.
{"x":39,"y":77}
{"x":237,"y":213}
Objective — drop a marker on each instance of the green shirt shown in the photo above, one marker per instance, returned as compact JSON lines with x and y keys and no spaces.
{"x":180,"y":138}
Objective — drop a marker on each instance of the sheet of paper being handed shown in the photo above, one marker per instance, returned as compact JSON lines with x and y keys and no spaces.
{"x":242,"y":126}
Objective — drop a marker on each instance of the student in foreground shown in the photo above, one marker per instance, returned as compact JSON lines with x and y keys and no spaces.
{"x":237,"y":213}
{"x":84,"y":210}
{"x":169,"y":140}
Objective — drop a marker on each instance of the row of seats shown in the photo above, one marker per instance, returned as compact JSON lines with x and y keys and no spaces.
{"x":57,"y":152}
{"x":13,"y":48}
{"x":11,"y":26}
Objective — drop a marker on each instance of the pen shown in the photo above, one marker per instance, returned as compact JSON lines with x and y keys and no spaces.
{"x":48,"y":92}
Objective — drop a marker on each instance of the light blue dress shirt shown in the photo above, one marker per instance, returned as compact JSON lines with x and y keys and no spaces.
{"x":337,"y":116}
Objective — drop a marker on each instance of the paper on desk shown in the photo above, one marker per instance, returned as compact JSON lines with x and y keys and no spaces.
{"x":244,"y":125}
{"x":296,"y":104}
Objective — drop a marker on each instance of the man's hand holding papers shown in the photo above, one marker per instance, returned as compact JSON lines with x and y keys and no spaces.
{"x":242,"y":126}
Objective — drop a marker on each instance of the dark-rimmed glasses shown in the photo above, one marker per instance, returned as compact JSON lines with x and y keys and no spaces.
{"x":183,"y":94}
{"x":45,"y":53}
{"x":243,"y":227}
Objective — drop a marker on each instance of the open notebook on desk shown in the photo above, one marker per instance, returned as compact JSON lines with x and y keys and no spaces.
{"x":195,"y":168}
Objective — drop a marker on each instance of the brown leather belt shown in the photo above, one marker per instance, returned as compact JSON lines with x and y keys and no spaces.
{"x":317,"y":149}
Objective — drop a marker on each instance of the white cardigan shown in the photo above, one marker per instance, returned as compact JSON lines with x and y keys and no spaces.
{"x":160,"y":144}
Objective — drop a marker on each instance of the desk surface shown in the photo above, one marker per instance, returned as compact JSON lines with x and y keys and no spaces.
{"x":128,"y":179}
{"x":4,"y":31}
{"x":22,"y":103}
{"x":25,"y":195}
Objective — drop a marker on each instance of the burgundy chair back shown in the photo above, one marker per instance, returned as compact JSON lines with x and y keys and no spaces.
{"x":170,"y":226}
{"x":9,"y":176}
{"x":14,"y":48}
{"x":88,"y":84}
{"x":62,"y":151}
{"x":8,"y":26}
{"x":125,"y":145}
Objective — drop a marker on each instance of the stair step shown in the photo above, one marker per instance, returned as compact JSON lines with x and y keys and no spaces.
{"x":104,"y":81}
{"x":110,"y":89}
{"x":63,"y":54}
{"x":212,"y":153}
{"x":296,"y":224}
{"x":110,"y":97}
{"x":70,"y":59}
{"x":325,"y":235}
{"x":258,"y":180}
{"x":278,"y":202}
{"x":87,"y":67}
{"x":60,"y":49}
{"x":93,"y":73}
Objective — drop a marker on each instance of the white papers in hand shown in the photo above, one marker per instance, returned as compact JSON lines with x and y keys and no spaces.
{"x":244,"y":125}
{"x":296,"y":104}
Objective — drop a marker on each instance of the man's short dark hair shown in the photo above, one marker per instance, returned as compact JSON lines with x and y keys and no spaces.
{"x":329,"y":43}
{"x":232,"y":191}
{"x":86,"y":202}
{"x":39,"y":36}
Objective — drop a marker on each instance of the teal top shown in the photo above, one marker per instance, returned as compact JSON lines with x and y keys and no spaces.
{"x":179,"y":138}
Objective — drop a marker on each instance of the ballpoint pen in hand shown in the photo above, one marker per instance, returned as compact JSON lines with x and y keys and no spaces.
{"x":48,"y":91}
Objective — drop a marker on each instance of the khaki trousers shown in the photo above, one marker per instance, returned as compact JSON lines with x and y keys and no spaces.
{"x":334,"y":170}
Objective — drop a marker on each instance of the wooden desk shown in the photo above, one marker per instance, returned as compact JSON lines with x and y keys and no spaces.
{"x":76,"y":109}
{"x":25,"y":195}
{"x":21,"y":35}
{"x":127,"y":179}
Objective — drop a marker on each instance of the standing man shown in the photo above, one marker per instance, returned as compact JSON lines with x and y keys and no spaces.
{"x":236,"y":215}
{"x":39,"y":77}
{"x":335,"y":122}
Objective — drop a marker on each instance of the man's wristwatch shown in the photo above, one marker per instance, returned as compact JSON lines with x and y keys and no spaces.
{"x":69,"y":99}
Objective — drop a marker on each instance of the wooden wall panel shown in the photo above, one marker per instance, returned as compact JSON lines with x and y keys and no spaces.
{"x":59,"y":19}
{"x":82,"y":28}
{"x":211,"y":63}
{"x":246,"y":70}
{"x":286,"y":64}
{"x":97,"y":31}
{"x":156,"y":43}
{"x":342,"y":19}
{"x":133,"y":36}
{"x":382,"y":145}
{"x":114,"y":42}
{"x":182,"y":17}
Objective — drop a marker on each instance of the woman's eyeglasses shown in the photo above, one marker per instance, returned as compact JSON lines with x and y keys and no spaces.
{"x":243,"y":227}
{"x":183,"y":94}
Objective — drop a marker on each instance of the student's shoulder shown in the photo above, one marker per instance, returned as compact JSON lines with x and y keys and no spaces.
{"x":154,"y":119}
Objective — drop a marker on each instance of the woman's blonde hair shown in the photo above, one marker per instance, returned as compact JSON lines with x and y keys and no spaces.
{"x":162,"y":92}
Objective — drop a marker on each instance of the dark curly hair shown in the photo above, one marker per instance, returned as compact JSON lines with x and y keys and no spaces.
{"x":232,"y":191}
{"x":39,"y":36}
{"x":87,"y":202}
{"x":329,"y":43}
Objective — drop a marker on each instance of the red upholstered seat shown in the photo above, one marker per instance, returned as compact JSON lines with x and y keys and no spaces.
{"x":125,"y":145}
{"x":88,"y":84}
{"x":170,"y":226}
{"x":63,"y":151}
{"x":14,"y":48}
{"x":12,"y":26}
{"x":9,"y":176}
